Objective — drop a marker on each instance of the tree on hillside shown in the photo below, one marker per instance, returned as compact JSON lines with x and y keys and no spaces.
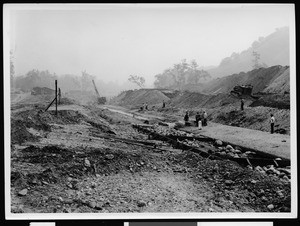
{"x":86,"y":81}
{"x":256,"y":61}
{"x":139,"y":80}
{"x":195,"y":74}
{"x":178,"y":73}
{"x":35,"y":78}
{"x":181,"y":74}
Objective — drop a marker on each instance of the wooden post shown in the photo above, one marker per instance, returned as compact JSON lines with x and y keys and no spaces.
{"x":56,"y":97}
{"x":59,"y":95}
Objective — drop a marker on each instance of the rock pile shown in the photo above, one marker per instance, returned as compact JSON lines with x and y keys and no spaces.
{"x":283,"y":173}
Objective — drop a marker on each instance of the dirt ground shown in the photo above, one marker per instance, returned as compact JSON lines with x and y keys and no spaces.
{"x":89,"y":159}
{"x":275,"y":144}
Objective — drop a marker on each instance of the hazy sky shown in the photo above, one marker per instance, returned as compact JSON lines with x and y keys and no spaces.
{"x":114,"y":41}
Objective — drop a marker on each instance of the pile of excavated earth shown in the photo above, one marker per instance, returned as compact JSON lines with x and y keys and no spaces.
{"x":88,"y":159}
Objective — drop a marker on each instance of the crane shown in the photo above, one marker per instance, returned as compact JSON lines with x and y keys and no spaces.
{"x":101,"y":100}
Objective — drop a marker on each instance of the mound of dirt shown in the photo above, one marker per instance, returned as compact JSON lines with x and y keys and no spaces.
{"x":281,"y":84}
{"x":20,"y":121}
{"x":19,"y":133}
{"x":25,"y":119}
{"x":136,"y":98}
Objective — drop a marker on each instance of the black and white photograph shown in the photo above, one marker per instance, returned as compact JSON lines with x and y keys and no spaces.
{"x":149,"y":111}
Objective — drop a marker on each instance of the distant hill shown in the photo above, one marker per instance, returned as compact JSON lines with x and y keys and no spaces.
{"x":273,"y":50}
{"x":275,"y":79}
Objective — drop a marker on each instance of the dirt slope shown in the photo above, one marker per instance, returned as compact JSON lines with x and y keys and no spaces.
{"x":280,"y":84}
{"x":276,"y":78}
{"x":136,"y":98}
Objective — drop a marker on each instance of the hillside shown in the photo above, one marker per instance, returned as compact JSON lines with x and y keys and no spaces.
{"x":273,"y":50}
{"x":270,"y":80}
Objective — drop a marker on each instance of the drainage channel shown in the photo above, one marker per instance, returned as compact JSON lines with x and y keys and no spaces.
{"x":182,"y":142}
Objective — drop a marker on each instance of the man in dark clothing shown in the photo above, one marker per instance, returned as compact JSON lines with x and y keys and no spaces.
{"x":272,"y":122}
{"x":164,"y":104}
{"x":186,"y":118}
{"x":242,"y":104}
{"x":198,"y":117}
{"x":204,"y":119}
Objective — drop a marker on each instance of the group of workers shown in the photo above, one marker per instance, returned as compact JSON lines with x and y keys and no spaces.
{"x":200,"y":119}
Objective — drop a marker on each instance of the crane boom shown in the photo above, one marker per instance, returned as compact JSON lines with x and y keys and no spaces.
{"x":96,"y":88}
{"x":101,"y":100}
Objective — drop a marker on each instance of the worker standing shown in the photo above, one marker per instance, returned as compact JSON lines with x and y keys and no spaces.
{"x":197,"y":117}
{"x":242,"y":104}
{"x":204,"y":119}
{"x":272,"y":122}
{"x":186,"y":118}
{"x":164,"y":104}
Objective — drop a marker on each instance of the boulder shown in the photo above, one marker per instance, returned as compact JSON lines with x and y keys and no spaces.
{"x":141,"y":203}
{"x":92,"y":204}
{"x":229,"y":147}
{"x":218,"y":142}
{"x":98,"y":206}
{"x":223,"y":153}
{"x":87,"y":162}
{"x":228,"y":182}
{"x":237,"y":151}
{"x":23,"y":192}
{"x":270,"y":207}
